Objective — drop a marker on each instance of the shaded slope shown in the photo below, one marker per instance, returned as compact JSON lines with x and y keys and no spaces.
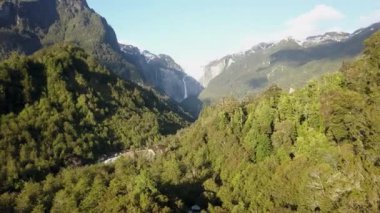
{"x":40,"y":23}
{"x":60,"y":108}
{"x":27,"y":26}
{"x":163,"y":73}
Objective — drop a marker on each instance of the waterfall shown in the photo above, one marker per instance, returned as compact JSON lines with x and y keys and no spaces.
{"x":185,"y":87}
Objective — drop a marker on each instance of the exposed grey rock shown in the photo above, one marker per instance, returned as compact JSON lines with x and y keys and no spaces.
{"x":163,"y":73}
{"x":288,"y":63}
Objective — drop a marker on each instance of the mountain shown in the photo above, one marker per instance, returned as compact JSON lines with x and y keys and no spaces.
{"x":288,"y":63}
{"x":60,"y":108}
{"x":327,"y":38}
{"x":314,"y":150}
{"x":29,"y":25}
{"x":163,"y":73}
{"x":215,"y":68}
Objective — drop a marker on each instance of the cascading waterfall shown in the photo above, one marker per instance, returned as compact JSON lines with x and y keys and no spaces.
{"x":185,"y":87}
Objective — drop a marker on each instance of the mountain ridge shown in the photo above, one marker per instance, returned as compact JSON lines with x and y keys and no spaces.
{"x":46,"y":22}
{"x":276,"y":62}
{"x":27,"y":26}
{"x":313,"y":150}
{"x":163,"y":73}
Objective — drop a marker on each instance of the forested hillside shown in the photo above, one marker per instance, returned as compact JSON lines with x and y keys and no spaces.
{"x":316,"y":149}
{"x":288,"y":63}
{"x":27,"y":26}
{"x":60,"y":108}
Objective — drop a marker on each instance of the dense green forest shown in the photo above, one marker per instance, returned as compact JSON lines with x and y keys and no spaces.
{"x":60,"y":108}
{"x":316,"y":149}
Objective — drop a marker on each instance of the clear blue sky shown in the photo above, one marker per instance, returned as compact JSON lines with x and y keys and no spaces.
{"x":194,"y":32}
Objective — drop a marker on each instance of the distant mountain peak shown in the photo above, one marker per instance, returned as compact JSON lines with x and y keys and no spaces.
{"x":130,"y":49}
{"x":149,"y":56}
{"x":170,"y":63}
{"x":326,"y":38}
{"x":262,"y":46}
{"x":163,"y":73}
{"x":75,"y":4}
{"x":369,"y":29}
{"x":286,"y":62}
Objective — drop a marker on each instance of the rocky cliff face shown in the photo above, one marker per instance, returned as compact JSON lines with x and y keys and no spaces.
{"x":163,"y":73}
{"x":214,"y":68}
{"x":29,"y":25}
{"x":7,"y":14}
{"x":14,"y":35}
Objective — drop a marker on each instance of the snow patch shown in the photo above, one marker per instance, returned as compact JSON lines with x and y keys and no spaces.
{"x":130,"y":49}
{"x":148,"y":56}
{"x":230,"y":62}
{"x":326,"y":38}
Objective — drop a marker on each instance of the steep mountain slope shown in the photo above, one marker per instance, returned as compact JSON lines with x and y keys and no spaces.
{"x":287,"y":63}
{"x":60,"y":108}
{"x":163,"y":73}
{"x":315,"y":150}
{"x":27,"y":26}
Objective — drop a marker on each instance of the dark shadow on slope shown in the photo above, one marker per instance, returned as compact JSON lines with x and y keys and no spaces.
{"x":258,"y":82}
{"x":191,"y":194}
{"x":192,"y":105}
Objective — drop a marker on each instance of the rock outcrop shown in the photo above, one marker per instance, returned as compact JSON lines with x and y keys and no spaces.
{"x":29,"y":25}
{"x":163,"y":73}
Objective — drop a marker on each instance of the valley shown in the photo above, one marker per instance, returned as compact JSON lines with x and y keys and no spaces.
{"x":93,"y":124}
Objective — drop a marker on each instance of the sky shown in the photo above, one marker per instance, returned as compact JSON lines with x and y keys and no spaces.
{"x":196,"y":32}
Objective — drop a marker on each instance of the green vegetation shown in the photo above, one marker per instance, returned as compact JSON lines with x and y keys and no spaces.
{"x":99,"y":38}
{"x":286,"y":64}
{"x":313,"y":150}
{"x":316,"y":149}
{"x":63,"y":21}
{"x":60,"y":108}
{"x":25,"y":30}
